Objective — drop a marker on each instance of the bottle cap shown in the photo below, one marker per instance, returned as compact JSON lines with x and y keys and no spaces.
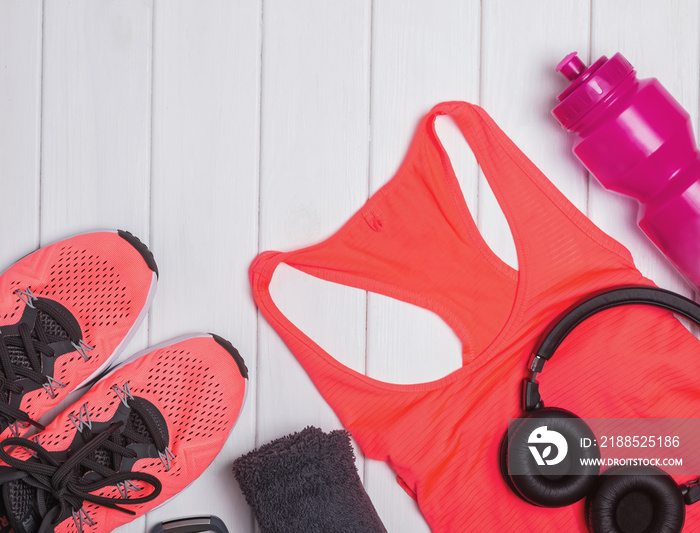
{"x":589,"y":86}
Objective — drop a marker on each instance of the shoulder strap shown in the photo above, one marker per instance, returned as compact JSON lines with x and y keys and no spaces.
{"x":544,"y":223}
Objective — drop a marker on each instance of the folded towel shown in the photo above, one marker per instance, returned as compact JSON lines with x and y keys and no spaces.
{"x":307,"y":482}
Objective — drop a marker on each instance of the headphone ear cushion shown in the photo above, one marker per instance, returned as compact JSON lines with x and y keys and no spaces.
{"x":503,"y":464}
{"x":563,"y":483}
{"x":634,"y":500}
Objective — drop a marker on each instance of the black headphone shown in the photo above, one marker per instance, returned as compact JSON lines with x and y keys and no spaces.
{"x":630,"y":501}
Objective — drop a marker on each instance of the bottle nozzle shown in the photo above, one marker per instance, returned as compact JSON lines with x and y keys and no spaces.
{"x":571,"y":66}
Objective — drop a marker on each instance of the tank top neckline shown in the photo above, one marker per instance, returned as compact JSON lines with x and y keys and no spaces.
{"x":265,"y":264}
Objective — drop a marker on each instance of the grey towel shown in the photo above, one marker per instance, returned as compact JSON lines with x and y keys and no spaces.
{"x":307,"y":482}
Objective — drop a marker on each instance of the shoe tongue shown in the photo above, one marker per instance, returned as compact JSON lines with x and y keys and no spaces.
{"x":54,"y":331}
{"x":21,"y":506}
{"x":144,"y":415}
{"x":18,"y":357}
{"x":135,"y":422}
{"x":50,"y":325}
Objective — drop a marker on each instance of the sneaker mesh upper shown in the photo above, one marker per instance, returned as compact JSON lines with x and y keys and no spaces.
{"x":103,"y":282}
{"x":197,"y":387}
{"x":91,"y":284}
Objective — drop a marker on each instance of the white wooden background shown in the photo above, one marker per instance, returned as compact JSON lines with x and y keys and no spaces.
{"x":214,"y":129}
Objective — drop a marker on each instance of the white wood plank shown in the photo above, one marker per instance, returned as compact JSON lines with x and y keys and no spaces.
{"x":315,"y":117}
{"x":96,"y":124}
{"x":20,"y":116}
{"x":315,"y":107}
{"x":522,"y":44}
{"x":206,"y":61}
{"x":422,"y":53}
{"x":96,"y":116}
{"x":661,"y":40}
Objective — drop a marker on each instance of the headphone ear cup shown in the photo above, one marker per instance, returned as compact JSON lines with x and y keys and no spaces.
{"x":550,"y":484}
{"x":635,"y":499}
{"x":503,"y":463}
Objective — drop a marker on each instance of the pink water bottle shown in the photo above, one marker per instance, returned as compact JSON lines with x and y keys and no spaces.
{"x":637,"y":140}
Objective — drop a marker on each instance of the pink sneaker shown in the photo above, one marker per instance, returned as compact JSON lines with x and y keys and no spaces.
{"x":66,"y":311}
{"x":139,"y":436}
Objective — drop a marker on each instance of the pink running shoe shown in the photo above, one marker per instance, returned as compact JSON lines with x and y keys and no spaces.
{"x":139,"y":436}
{"x":66,"y":311}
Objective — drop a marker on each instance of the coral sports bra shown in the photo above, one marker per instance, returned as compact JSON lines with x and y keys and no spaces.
{"x":415,"y":240}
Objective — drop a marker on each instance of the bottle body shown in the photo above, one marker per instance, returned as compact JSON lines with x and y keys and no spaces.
{"x":637,"y":140}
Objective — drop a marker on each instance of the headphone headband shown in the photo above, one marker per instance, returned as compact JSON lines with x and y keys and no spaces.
{"x":592,"y":305}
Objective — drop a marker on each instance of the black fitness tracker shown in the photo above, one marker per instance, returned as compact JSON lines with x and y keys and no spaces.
{"x":193,"y":524}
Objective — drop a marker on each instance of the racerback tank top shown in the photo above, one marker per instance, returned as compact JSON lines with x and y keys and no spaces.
{"x":415,"y":240}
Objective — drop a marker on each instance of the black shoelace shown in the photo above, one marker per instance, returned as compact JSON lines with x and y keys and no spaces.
{"x":63,"y":483}
{"x":33,"y":347}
